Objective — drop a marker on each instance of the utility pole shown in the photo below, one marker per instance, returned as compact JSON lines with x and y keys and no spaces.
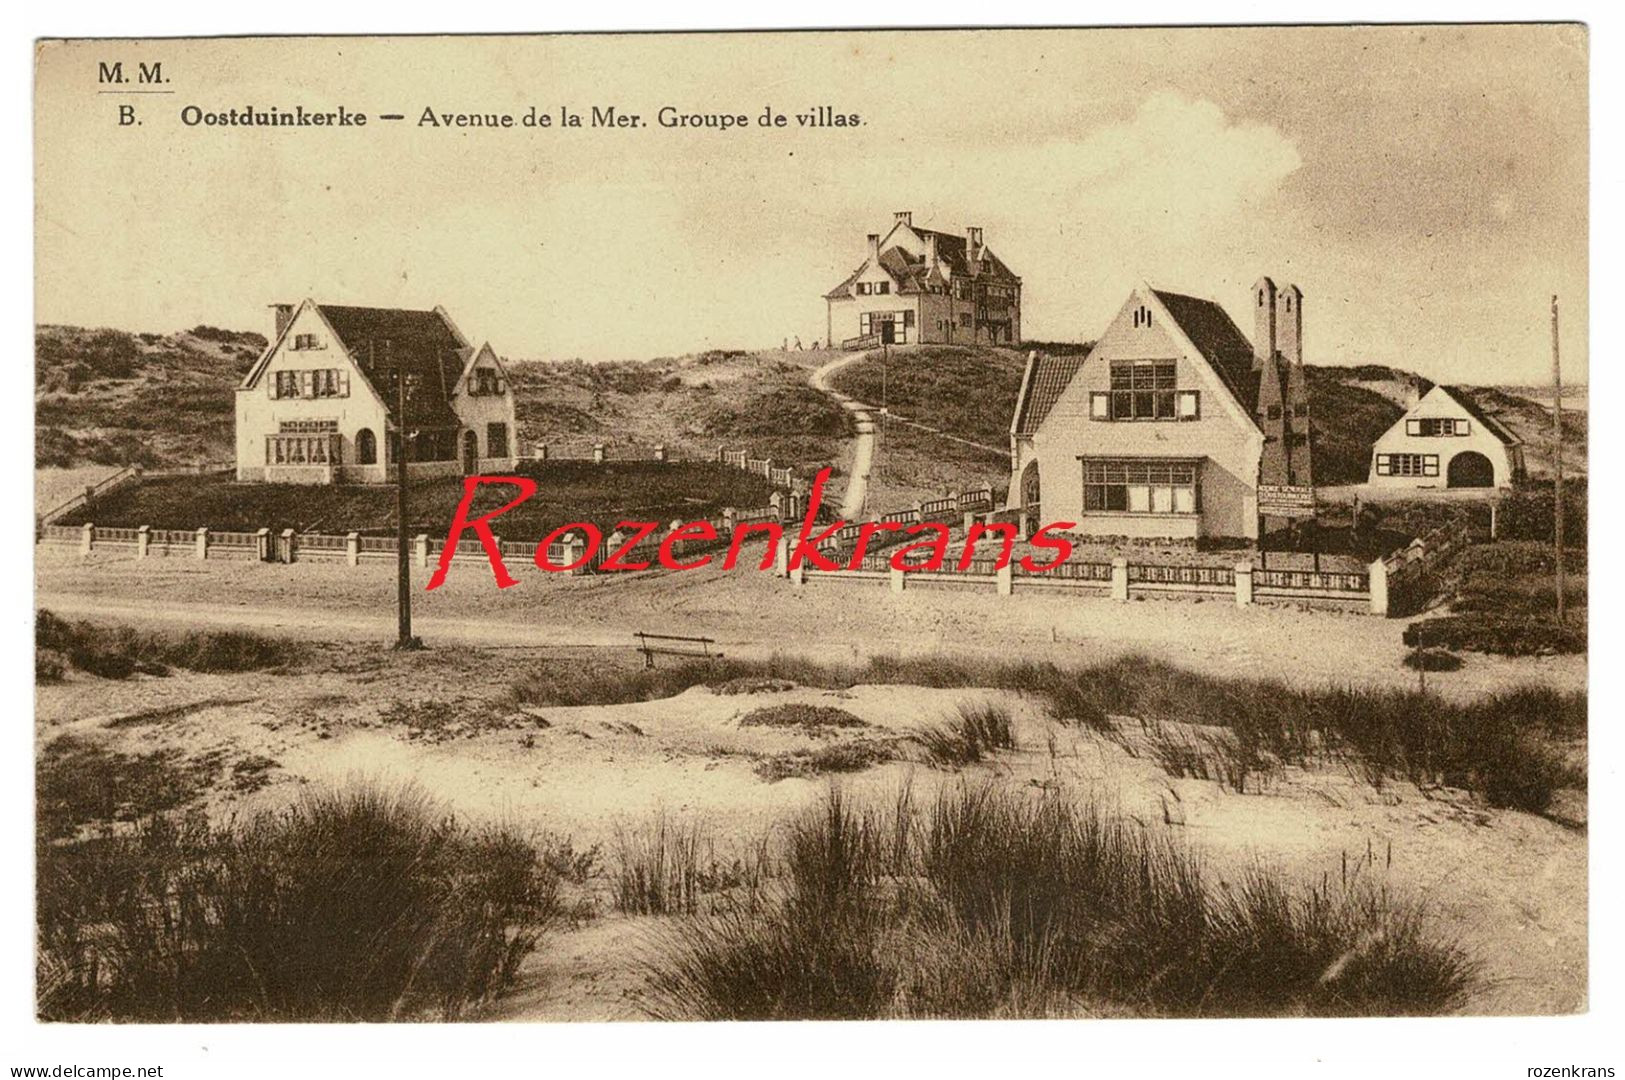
{"x":403,"y":564}
{"x":1557,"y":453}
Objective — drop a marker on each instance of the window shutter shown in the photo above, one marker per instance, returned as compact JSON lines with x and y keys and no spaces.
{"x":1413,"y":427}
{"x":344,"y":383}
{"x":1461,"y":427}
{"x":271,"y":387}
{"x":1384,"y":465}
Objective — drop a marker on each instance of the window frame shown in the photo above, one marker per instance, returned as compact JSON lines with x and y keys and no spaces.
{"x":1142,"y":487}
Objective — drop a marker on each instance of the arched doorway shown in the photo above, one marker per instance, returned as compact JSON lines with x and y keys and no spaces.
{"x":471,"y":452}
{"x":1470,"y":469}
{"x":1030,"y":490}
{"x":366,"y":447}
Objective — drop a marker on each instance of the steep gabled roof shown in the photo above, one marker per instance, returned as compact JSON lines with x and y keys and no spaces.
{"x":1491,"y":424}
{"x":422,"y":343}
{"x":1210,"y":328}
{"x":1041,"y":386}
{"x":843,"y":291}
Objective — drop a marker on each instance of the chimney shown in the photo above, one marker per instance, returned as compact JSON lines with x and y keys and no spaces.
{"x":1289,"y":324}
{"x":973,"y":243}
{"x":874,"y":248}
{"x":931,"y":256}
{"x":283,"y":315}
{"x":904,"y":217}
{"x":1263,"y":321}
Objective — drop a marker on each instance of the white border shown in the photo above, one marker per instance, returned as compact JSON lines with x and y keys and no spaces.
{"x":1457,"y":1047}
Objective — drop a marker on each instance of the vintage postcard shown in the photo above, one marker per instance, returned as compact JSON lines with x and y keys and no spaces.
{"x":856,"y":525}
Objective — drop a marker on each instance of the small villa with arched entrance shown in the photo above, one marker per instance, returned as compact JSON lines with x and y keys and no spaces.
{"x":1446,"y":440}
{"x":319,"y":405}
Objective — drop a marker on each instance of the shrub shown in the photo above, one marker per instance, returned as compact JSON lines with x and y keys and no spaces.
{"x":810,"y":717}
{"x":1004,"y":905}
{"x":49,"y":665}
{"x":842,"y":757}
{"x":1432,"y":660}
{"x":1505,"y":636}
{"x":357,"y":904}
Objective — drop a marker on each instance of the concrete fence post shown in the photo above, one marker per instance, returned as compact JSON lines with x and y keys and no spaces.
{"x":729,"y":517}
{"x":597,"y":453}
{"x":200,"y":542}
{"x":285,"y":548}
{"x":262,"y":545}
{"x":1119,"y":577}
{"x":1244,"y":583}
{"x":87,"y":538}
{"x":660,"y":451}
{"x":540,"y":452}
{"x":1378,"y":577}
{"x":970,"y":519}
{"x":919,"y":511}
{"x":1023,"y":526}
{"x":352,"y":548}
{"x":798,"y":574}
{"x":1006,"y":575}
{"x":420,"y":550}
{"x":777,"y":502}
{"x":781,"y":557}
{"x":143,"y":541}
{"x":898,"y":580}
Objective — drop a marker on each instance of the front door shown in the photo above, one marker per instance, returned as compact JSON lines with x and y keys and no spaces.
{"x":888,"y":333}
{"x":471,"y":453}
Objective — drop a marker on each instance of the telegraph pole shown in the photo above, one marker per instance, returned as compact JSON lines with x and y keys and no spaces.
{"x":1557,"y":443}
{"x":403,"y":564}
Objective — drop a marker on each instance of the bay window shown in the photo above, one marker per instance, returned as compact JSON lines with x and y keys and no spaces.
{"x":1140,"y":486}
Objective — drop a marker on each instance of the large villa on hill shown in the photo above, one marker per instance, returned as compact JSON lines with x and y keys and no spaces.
{"x":1170,"y":424}
{"x":919,"y":285}
{"x":320,"y":404}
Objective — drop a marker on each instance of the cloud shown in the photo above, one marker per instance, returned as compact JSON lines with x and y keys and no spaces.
{"x":1177,"y":163}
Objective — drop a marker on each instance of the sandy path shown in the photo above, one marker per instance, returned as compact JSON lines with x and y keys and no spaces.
{"x":863,"y":453}
{"x":754,"y":614}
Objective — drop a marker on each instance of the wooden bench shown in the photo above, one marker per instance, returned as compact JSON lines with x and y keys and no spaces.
{"x":693,"y":648}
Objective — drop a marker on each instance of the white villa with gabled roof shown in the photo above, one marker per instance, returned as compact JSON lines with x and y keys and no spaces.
{"x":319,"y":406}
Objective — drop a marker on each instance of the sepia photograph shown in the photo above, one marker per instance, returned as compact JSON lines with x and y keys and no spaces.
{"x":977,"y":524}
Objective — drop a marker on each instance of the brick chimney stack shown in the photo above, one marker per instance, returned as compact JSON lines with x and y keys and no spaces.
{"x":1264,"y":297}
{"x":931,"y":256}
{"x":283,"y":314}
{"x":1289,"y":324}
{"x":973,"y":243}
{"x":874,"y":248}
{"x":904,"y":217}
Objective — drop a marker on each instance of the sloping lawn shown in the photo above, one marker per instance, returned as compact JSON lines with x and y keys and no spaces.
{"x":567,"y":491}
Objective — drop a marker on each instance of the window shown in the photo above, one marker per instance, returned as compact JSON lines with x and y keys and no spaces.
{"x":1190,"y":405}
{"x":908,"y":318}
{"x":863,"y":288}
{"x":964,"y":319}
{"x":881,"y":288}
{"x":1432,"y":427}
{"x":320,"y":383}
{"x":304,"y":341}
{"x":1100,"y":406}
{"x":487,"y":381}
{"x":1142,"y":316}
{"x":366,"y":447}
{"x":1408,"y":465}
{"x":1144,"y":390}
{"x":1273,"y":412}
{"x":1139,"y":487}
{"x":496,"y":440}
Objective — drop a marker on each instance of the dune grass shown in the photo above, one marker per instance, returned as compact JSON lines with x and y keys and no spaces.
{"x":355,"y":904}
{"x":975,"y":732}
{"x":1508,"y":747}
{"x":117,"y":652}
{"x":994,"y":903}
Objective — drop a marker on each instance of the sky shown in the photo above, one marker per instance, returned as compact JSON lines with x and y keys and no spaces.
{"x":1425,"y":187}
